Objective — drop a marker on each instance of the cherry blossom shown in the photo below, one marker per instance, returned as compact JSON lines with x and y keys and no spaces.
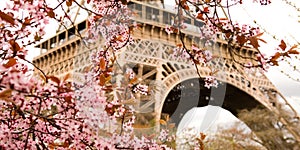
{"x":49,"y":112}
{"x":111,"y":20}
{"x":143,"y":89}
{"x":210,"y":81}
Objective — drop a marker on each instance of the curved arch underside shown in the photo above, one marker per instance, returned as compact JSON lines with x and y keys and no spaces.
{"x":192,"y":93}
{"x":244,"y":89}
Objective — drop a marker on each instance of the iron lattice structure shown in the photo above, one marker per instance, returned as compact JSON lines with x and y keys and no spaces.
{"x":151,"y":59}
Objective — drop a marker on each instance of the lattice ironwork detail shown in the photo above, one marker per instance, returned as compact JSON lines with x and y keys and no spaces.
{"x":151,"y":58}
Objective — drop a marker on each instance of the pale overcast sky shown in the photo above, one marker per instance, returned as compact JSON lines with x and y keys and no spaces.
{"x":281,"y":20}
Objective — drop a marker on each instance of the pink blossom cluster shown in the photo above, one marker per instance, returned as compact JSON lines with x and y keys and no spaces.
{"x":169,"y":29}
{"x":111,"y":20}
{"x":262,"y":2}
{"x":202,"y":56}
{"x":248,"y":65}
{"x":143,"y":89}
{"x":114,"y":111}
{"x":210,"y":81}
{"x":98,"y":55}
{"x":56,"y":114}
{"x":37,"y":113}
{"x":262,"y":61}
{"x":246,"y":30}
{"x":163,"y":135}
{"x":209,"y":32}
{"x":180,"y":51}
{"x":22,"y":22}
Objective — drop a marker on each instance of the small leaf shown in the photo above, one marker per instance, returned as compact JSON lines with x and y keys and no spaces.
{"x":227,"y":34}
{"x":171,"y":125}
{"x":7,"y":18}
{"x":206,"y":10}
{"x":11,"y":62}
{"x":163,"y":122}
{"x":66,"y":144}
{"x":262,"y":40}
{"x":274,"y":62}
{"x":241,"y":39}
{"x":276,"y":56}
{"x":13,"y":113}
{"x":186,"y":7}
{"x":102,"y":80}
{"x":68,"y":99}
{"x":5,"y":95}
{"x":54,"y":79}
{"x":66,"y":77}
{"x":97,"y":17}
{"x":26,"y":22}
{"x":202,"y":136}
{"x":282,"y":45}
{"x":108,"y":78}
{"x":167,"y":118}
{"x":179,"y":45}
{"x":293,"y":47}
{"x":52,"y":146}
{"x":69,"y":3}
{"x":259,"y":34}
{"x":254,"y":42}
{"x":200,"y":16}
{"x":37,"y":37}
{"x":51,"y":13}
{"x":133,"y":80}
{"x":293,"y":51}
{"x":14,"y":45}
{"x":286,"y":54}
{"x":102,"y":64}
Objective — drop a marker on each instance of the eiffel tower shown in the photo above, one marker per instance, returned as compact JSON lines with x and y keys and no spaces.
{"x":152,"y":62}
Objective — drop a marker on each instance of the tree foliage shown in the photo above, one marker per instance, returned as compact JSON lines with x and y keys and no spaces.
{"x":235,"y":137}
{"x":269,"y":128}
{"x":267,"y":132}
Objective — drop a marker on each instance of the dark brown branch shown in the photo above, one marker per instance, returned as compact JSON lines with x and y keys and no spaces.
{"x":43,"y":73}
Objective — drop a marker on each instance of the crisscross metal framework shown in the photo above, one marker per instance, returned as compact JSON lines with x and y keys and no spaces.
{"x":152,"y":59}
